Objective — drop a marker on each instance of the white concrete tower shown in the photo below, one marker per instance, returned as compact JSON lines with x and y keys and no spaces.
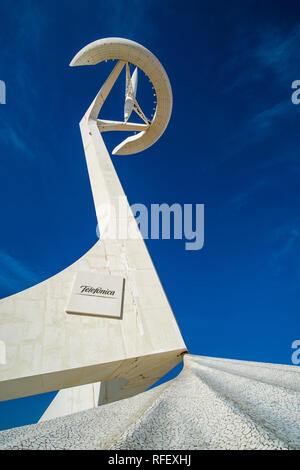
{"x":106,"y":317}
{"x":129,"y":338}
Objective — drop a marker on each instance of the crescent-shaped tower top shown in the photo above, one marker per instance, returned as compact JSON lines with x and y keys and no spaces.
{"x":126,"y":50}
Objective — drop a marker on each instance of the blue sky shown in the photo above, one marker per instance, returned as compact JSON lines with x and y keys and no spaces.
{"x":232,"y":144}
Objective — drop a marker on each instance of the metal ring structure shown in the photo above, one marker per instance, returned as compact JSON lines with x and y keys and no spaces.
{"x":126,"y":50}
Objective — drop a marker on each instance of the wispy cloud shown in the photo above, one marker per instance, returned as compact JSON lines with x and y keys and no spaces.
{"x":258,"y":75}
{"x":13,"y":272}
{"x":135,"y":18}
{"x":255,"y":129}
{"x":11,"y":136}
{"x":278,"y":50}
{"x":255,"y":57}
{"x":286,"y":238}
{"x":264,"y":119}
{"x":243,"y":197}
{"x":19,"y":116}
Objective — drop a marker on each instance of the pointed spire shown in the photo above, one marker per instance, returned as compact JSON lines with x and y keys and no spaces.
{"x":130,"y":92}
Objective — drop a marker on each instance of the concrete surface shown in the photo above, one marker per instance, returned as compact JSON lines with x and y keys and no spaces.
{"x":212,"y":404}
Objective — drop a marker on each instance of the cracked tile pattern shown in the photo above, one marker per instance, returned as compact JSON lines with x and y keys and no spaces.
{"x":213,"y":404}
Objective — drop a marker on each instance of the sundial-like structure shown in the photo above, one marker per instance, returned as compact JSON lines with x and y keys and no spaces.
{"x":60,"y":336}
{"x":127,"y":52}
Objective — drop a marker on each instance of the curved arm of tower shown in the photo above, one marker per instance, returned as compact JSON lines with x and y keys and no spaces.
{"x":212,"y":404}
